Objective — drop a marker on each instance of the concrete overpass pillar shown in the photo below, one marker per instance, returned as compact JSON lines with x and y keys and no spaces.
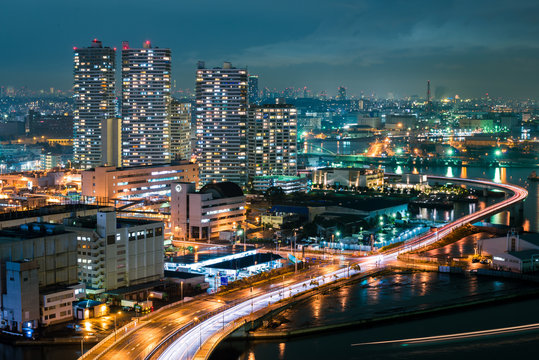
{"x":516,"y":215}
{"x":485,"y":192}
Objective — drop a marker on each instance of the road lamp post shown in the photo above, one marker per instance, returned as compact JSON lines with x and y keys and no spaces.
{"x":294,"y":252}
{"x":196,"y":320}
{"x":119,"y":312}
{"x":82,"y":345}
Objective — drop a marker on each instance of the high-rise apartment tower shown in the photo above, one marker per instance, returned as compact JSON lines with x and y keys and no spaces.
{"x":272,"y":140}
{"x":95,"y":124}
{"x":145,"y":105}
{"x":180,"y":130}
{"x":221,"y":114}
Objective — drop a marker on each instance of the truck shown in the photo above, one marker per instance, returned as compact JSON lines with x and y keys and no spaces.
{"x":144,"y":306}
{"x":158,"y":294}
{"x":128,"y":304}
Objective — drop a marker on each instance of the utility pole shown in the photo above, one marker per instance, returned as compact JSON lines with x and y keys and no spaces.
{"x":294,"y":252}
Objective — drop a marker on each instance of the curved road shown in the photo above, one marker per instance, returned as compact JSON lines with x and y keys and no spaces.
{"x":187,"y":345}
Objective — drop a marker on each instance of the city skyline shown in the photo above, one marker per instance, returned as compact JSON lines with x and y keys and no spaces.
{"x":465,"y":49}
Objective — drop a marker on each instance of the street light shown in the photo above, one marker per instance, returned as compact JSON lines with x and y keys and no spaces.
{"x":181,"y":290}
{"x":82,"y":345}
{"x":119,"y":312}
{"x":199,"y":331}
{"x":241,"y":232}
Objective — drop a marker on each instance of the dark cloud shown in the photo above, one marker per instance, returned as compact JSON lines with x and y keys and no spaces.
{"x":467,"y":47}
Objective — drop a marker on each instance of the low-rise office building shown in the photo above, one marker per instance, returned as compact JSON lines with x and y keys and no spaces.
{"x":56,"y":305}
{"x":136,"y":182}
{"x":115,"y":252}
{"x":279,"y":220}
{"x":289,"y":184}
{"x":347,"y":177}
{"x":202,"y":215}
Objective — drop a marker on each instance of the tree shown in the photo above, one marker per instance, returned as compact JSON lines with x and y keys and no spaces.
{"x":274,"y":194}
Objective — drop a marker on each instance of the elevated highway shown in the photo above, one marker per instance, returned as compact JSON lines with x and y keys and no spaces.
{"x":193,"y":336}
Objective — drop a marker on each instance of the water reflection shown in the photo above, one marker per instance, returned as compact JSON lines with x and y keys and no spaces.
{"x":497,"y":176}
{"x":437,"y":214}
{"x":282,"y":348}
{"x":449,"y":172}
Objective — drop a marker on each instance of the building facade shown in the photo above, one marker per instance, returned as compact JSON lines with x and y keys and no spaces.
{"x":180,"y":130}
{"x":146,"y":98}
{"x":221,"y":115}
{"x":516,"y":253}
{"x":272,"y":140}
{"x":348,"y":177}
{"x":40,"y":259}
{"x":56,"y":306}
{"x":254,"y":95}
{"x":94,"y":117}
{"x":202,"y":215}
{"x":20,"y":310}
{"x":136,"y":182}
{"x":115,"y":253}
{"x":289,"y":184}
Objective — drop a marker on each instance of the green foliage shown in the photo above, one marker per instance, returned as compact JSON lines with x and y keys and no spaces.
{"x":391,"y":246}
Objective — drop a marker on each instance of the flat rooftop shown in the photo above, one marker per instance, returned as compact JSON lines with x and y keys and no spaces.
{"x":532,"y":238}
{"x":135,"y":288}
{"x":31,"y":231}
{"x":153,"y":166}
{"x":247,"y":261}
{"x":524,"y":254}
{"x":47,"y":210}
{"x":201,"y":256}
{"x":181,"y":275}
{"x":90,"y":222}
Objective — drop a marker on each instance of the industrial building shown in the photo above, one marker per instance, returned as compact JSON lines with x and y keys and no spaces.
{"x":115,"y":253}
{"x":517,"y":253}
{"x":40,"y":267}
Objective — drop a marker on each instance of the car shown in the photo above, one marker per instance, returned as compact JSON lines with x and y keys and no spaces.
{"x":484,"y":261}
{"x":475,"y":260}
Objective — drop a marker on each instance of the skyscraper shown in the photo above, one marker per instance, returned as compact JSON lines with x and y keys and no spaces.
{"x":221,"y":114}
{"x":272,"y":140}
{"x":180,"y":130}
{"x":145,"y":105}
{"x":253,"y":89}
{"x":341,"y":93}
{"x":94,"y":118}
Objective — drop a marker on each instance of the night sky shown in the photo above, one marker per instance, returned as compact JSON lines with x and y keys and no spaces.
{"x":466,"y":47}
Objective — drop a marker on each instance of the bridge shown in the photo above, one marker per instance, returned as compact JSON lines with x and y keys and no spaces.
{"x":193,"y":330}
